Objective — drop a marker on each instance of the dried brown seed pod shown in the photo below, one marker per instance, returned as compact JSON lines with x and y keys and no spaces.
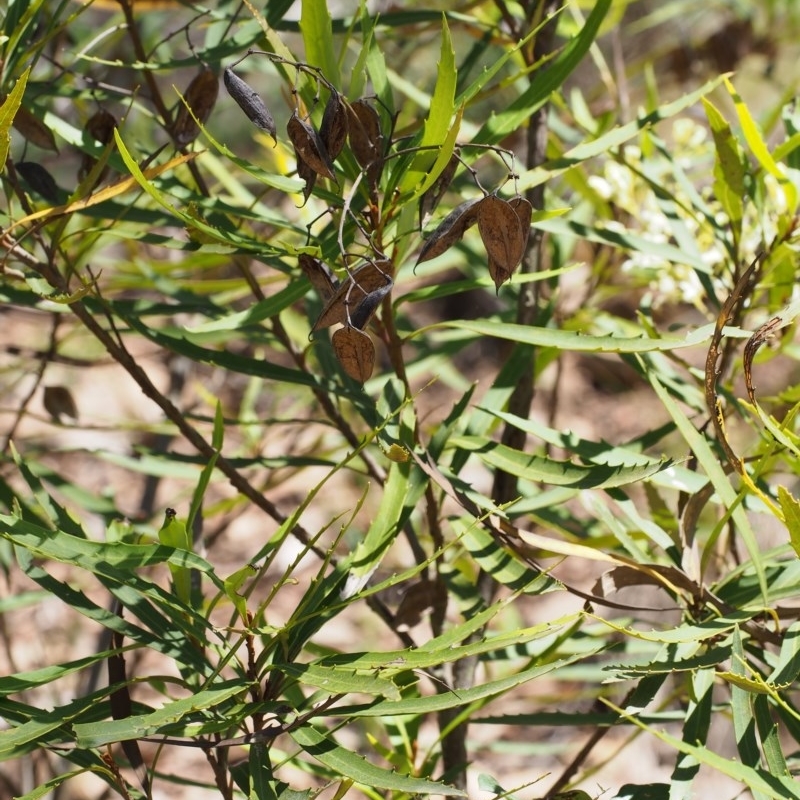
{"x":352,"y":291}
{"x":34,"y":130}
{"x":306,"y":174}
{"x":524,"y":211}
{"x":366,"y":139}
{"x":200,"y":97}
{"x":355,"y":351}
{"x":39,"y":180}
{"x":320,"y":275}
{"x":248,"y":100}
{"x":309,"y":147}
{"x":100,"y":127}
{"x":502,"y":235}
{"x":369,"y":305}
{"x":334,"y":127}
{"x":450,"y":229}
{"x":59,"y":402}
{"x":430,"y":199}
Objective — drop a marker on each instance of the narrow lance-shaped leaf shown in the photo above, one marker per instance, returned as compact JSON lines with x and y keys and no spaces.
{"x":729,"y":167}
{"x":440,"y":114}
{"x":8,"y":111}
{"x":248,"y":100}
{"x":173,"y":533}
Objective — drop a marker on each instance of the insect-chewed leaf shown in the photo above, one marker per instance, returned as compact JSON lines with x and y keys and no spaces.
{"x":450,"y":229}
{"x":352,"y":291}
{"x":355,"y":351}
{"x":501,"y":232}
{"x":431,"y":198}
{"x":366,"y":139}
{"x":200,"y":97}
{"x":248,"y":100}
{"x":309,"y":147}
{"x":334,"y":127}
{"x":34,"y":130}
{"x":38,"y":180}
{"x":320,"y":275}
{"x":366,"y":308}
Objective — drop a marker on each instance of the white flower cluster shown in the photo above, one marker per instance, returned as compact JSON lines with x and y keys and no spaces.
{"x":627,"y":183}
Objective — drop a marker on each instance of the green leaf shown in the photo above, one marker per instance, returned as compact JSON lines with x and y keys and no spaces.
{"x":317,"y":30}
{"x":344,"y":761}
{"x":437,"y":128}
{"x":556,"y":473}
{"x":545,"y":81}
{"x":695,"y":731}
{"x":340,"y":680}
{"x":173,"y":533}
{"x":759,"y":149}
{"x":729,"y":169}
{"x":731,"y":500}
{"x":575,"y":340}
{"x":614,"y":138}
{"x":382,"y":532}
{"x":7,"y":113}
{"x":136,"y":726}
{"x":790,"y":507}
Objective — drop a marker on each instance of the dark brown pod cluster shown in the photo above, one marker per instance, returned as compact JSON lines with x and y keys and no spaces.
{"x":351,"y":303}
{"x":100,"y":127}
{"x":200,"y":97}
{"x":248,"y":100}
{"x":504,"y":226}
